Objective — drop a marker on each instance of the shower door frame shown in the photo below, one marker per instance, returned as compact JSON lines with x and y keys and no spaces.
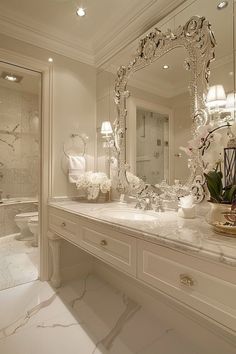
{"x":46,"y":71}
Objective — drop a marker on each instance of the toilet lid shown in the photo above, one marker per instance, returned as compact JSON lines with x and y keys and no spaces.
{"x":34,"y":220}
{"x":27,"y":215}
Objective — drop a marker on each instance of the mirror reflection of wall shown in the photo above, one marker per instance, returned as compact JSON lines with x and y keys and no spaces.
{"x":152,"y":146}
{"x":163,"y":84}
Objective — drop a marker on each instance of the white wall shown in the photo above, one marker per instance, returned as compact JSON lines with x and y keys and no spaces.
{"x":74,"y":105}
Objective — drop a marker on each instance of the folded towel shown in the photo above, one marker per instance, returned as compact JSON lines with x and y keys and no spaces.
{"x":76,"y":167}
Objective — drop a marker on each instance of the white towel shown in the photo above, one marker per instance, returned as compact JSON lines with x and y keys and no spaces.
{"x":76,"y":167}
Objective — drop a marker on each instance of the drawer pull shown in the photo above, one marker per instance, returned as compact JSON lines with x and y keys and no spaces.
{"x":186,"y":280}
{"x":103,"y":243}
{"x":63,"y":224}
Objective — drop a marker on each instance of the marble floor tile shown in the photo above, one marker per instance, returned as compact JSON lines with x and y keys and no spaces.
{"x":18,"y":262}
{"x":86,"y":316}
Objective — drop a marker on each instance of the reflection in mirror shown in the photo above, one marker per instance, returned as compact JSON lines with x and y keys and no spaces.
{"x":152,"y":146}
{"x":159,"y":106}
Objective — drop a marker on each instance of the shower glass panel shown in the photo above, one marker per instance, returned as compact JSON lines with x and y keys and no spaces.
{"x":20,"y":117}
{"x":152,"y":146}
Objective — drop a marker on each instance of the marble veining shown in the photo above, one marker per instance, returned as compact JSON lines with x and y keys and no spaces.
{"x":18,"y":262}
{"x":188,"y":235}
{"x":103,"y":321}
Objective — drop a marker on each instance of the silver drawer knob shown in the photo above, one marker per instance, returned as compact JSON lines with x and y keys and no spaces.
{"x":186,"y":280}
{"x":103,"y":243}
{"x":63,"y":224}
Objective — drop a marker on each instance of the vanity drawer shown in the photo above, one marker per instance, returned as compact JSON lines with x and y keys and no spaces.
{"x":63,"y":226}
{"x":204,"y":292}
{"x":112,"y":247}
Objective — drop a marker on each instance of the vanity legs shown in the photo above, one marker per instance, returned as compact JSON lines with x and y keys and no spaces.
{"x":55,"y":244}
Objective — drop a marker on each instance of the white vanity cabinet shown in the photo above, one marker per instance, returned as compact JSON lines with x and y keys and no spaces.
{"x":203,"y":285}
{"x":101,"y":241}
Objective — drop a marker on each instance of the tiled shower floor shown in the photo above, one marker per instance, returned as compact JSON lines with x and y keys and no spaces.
{"x":18,"y":262}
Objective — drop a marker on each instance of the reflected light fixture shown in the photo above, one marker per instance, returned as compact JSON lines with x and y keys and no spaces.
{"x":11,"y":77}
{"x":165,"y":66}
{"x":80,"y":12}
{"x":106,"y":129}
{"x":216,"y":97}
{"x":222,"y":5}
{"x":231,"y":101}
{"x":50,"y":60}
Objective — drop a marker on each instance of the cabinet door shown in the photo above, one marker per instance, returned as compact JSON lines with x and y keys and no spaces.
{"x":205,"y":293}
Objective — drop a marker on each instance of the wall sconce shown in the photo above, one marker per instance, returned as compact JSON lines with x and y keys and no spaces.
{"x":230,"y":107}
{"x":216,"y":102}
{"x":216,"y":98}
{"x":107,"y":133}
{"x":106,"y":129}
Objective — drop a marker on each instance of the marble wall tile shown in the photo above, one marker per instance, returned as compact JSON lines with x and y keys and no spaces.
{"x":19,"y":154}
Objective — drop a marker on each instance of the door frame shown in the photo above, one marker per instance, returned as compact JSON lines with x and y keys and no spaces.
{"x":45,"y":188}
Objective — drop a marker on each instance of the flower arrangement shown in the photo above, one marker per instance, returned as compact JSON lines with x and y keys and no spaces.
{"x":94,"y":183}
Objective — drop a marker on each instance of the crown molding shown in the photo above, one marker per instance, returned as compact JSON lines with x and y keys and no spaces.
{"x":124,"y":34}
{"x":102,"y":48}
{"x":42,"y":36}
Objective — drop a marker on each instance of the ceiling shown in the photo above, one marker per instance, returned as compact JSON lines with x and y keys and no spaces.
{"x":107,"y":28}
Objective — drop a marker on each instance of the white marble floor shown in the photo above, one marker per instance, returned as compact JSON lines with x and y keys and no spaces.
{"x":18,"y":262}
{"x":86,"y":316}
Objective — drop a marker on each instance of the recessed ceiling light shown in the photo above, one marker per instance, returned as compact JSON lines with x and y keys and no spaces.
{"x":11,"y":77}
{"x":222,"y":5}
{"x":50,"y":60}
{"x":165,"y":66}
{"x":80,"y":12}
{"x":231,"y":73}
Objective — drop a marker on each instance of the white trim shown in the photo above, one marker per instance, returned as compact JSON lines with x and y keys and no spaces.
{"x":132,"y":105}
{"x":33,"y":34}
{"x":46,"y":70}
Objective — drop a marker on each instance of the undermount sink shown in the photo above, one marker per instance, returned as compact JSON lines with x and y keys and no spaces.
{"x":133,"y":215}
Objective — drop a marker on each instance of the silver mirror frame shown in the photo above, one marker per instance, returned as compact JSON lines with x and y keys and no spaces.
{"x":198,"y":39}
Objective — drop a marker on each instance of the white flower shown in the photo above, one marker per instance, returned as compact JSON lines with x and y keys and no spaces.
{"x":93,"y":183}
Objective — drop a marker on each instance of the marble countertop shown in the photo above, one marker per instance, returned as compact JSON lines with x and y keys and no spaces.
{"x":168,"y":229}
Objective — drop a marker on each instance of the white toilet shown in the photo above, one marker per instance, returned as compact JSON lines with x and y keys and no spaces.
{"x":22,"y":221}
{"x":33,"y":224}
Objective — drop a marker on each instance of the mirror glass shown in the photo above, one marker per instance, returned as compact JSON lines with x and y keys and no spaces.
{"x":158,"y":120}
{"x":164,"y":93}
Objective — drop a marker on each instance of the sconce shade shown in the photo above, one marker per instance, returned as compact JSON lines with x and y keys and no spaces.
{"x":106,"y":128}
{"x":216,"y":97}
{"x":231,"y":101}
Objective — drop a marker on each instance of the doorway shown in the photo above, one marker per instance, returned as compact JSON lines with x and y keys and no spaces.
{"x":20,"y":136}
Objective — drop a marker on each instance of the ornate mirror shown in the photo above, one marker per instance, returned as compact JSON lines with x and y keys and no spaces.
{"x":191,"y":47}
